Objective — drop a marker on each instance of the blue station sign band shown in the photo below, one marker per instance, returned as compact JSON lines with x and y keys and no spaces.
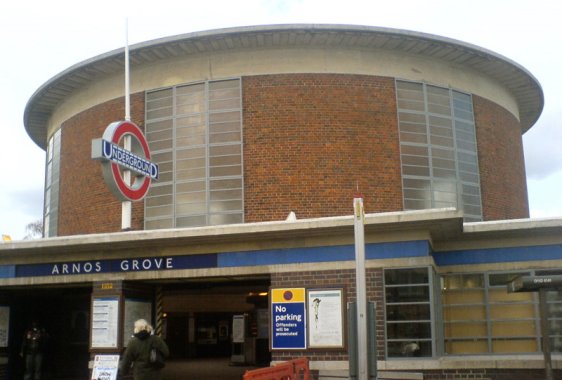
{"x":143,"y":264}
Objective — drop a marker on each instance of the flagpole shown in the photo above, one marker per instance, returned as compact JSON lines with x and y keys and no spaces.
{"x":126,"y":206}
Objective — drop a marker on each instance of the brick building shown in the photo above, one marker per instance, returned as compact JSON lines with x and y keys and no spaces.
{"x":249,"y":125}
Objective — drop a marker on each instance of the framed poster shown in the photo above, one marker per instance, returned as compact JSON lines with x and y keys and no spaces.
{"x":325,"y":318}
{"x":105,"y":322}
{"x":238,"y":328}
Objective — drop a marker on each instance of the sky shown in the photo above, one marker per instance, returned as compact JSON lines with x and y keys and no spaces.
{"x":40,"y":39}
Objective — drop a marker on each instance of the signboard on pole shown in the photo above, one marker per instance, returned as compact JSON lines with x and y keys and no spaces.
{"x":288,"y":319}
{"x":534,"y":283}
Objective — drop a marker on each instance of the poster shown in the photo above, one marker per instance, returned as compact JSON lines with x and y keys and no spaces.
{"x":4,"y":325}
{"x":105,"y":367}
{"x":325,"y":314}
{"x":135,"y":309}
{"x":105,"y":322}
{"x":238,"y":328}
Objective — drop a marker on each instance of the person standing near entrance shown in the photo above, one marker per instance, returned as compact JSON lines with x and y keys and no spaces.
{"x":138,"y":352}
{"x":32,"y":350}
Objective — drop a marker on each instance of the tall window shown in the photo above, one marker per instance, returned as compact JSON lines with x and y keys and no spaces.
{"x":408,"y":312}
{"x":481,"y":317}
{"x":52,"y":175}
{"x":195,"y":135}
{"x":438,"y":149}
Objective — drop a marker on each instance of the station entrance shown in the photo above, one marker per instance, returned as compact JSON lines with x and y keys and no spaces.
{"x":225,"y":318}
{"x":196,"y":320}
{"x":64,"y":314}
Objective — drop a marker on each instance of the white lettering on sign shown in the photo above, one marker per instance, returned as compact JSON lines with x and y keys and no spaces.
{"x":146,"y":264}
{"x":124,"y":265}
{"x":542,"y":280}
{"x":76,"y":268}
{"x":115,"y":153}
{"x":286,"y":317}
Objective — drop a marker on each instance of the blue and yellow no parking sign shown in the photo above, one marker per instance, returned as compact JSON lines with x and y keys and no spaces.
{"x":288,"y":318}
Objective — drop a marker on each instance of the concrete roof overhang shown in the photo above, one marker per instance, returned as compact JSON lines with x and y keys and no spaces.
{"x":444,"y":229}
{"x":436,"y":224}
{"x":521,"y":83}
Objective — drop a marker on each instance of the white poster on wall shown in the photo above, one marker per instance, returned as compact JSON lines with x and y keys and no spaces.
{"x":238,"y":328}
{"x":105,"y":322}
{"x":325,"y":313}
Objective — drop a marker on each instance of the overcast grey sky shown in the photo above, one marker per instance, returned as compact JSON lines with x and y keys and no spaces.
{"x":42,"y":38}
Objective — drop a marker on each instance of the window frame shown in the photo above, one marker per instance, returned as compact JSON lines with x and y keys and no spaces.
{"x":489,"y":303}
{"x":433,"y":314}
{"x":212,"y":170}
{"x":448,"y":177}
{"x":52,"y":185}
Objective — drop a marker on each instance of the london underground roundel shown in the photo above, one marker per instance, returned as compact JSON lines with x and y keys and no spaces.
{"x":116,"y":160}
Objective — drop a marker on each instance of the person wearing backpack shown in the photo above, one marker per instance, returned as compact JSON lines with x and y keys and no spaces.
{"x":138,"y":353}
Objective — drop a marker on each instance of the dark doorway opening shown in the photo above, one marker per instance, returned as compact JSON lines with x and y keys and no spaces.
{"x":65,"y":315}
{"x":199,"y":319}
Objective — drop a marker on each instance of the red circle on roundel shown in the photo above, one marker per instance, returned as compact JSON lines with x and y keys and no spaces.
{"x":135,"y":193}
{"x":288,"y":295}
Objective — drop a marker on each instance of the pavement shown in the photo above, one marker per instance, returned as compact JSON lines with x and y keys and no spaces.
{"x":204,"y":369}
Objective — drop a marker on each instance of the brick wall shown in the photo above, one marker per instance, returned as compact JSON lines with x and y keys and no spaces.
{"x":310,"y":140}
{"x":85,"y":204}
{"x":489,"y":374}
{"x":502,"y":165}
{"x":337,"y":279}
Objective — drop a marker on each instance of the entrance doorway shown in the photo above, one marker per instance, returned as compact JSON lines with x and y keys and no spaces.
{"x":199,"y":319}
{"x":65,"y":314}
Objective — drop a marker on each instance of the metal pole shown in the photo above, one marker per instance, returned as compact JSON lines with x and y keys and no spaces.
{"x":360,"y":289}
{"x":126,"y":206}
{"x":545,"y":329}
{"x":127,"y":80}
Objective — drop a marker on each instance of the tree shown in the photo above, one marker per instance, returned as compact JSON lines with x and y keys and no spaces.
{"x":34,"y":230}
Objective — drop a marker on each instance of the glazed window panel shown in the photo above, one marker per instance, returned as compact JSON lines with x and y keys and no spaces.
{"x":190,"y":208}
{"x":406,"y":276}
{"x":205,"y":130}
{"x":409,"y":312}
{"x":467,"y":347}
{"x":469,"y":329}
{"x":437,"y":120}
{"x":407,"y":294}
{"x":159,"y":104}
{"x":155,"y":224}
{"x":52,"y":179}
{"x":511,"y":320}
{"x":218,"y":219}
{"x":191,"y":221}
{"x":159,"y":201}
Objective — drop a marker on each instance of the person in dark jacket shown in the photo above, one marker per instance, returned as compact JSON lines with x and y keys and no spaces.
{"x":32,"y":350}
{"x":138,"y":351}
